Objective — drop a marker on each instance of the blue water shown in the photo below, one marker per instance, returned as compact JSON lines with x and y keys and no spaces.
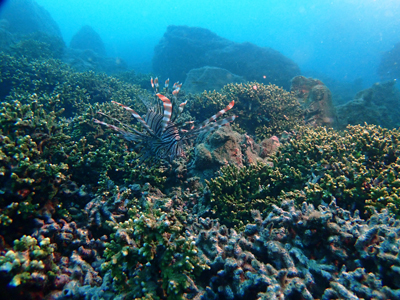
{"x":342,"y":39}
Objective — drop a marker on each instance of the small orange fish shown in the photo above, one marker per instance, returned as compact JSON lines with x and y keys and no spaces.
{"x":255,"y":87}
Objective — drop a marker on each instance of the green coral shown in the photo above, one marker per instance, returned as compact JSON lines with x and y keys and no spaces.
{"x":30,"y":172}
{"x":150,"y":255}
{"x":29,"y":263}
{"x":359,"y":167}
{"x":262,"y":110}
{"x":233,"y":195}
{"x":76,"y":90}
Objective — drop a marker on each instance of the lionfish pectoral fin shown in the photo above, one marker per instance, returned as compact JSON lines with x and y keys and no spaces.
{"x":220,"y":113}
{"x":126,"y":135}
{"x":209,"y":127}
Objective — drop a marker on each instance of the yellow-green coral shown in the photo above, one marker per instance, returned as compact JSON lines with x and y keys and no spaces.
{"x":262,"y":110}
{"x":150,"y":255}
{"x":30,"y":173}
{"x":233,"y":195}
{"x":29,"y":263}
{"x":359,"y":167}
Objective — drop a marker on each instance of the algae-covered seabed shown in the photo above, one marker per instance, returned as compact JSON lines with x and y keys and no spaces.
{"x":82,"y":217}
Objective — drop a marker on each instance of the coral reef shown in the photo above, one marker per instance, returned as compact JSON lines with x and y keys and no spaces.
{"x":31,"y":172}
{"x":150,"y":255}
{"x":263,"y":110}
{"x":359,"y":167}
{"x":30,"y":265}
{"x":233,"y":195}
{"x":302,"y":253}
{"x":82,"y":217}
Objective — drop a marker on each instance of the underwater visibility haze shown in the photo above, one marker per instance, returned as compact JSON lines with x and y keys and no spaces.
{"x":199,"y":149}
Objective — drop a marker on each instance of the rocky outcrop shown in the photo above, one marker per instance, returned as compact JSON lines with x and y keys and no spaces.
{"x":316,"y":99}
{"x":227,"y":147}
{"x":209,"y":79}
{"x":26,"y":16}
{"x":377,"y":105}
{"x":183,"y":48}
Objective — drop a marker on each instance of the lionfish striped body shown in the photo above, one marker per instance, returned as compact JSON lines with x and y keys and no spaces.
{"x":161,"y":138}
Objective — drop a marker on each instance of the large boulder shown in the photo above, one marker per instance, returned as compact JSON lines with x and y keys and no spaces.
{"x":316,"y":99}
{"x":209,"y":79}
{"x":378,"y":105}
{"x":88,"y":39}
{"x":183,"y":48}
{"x":25,"y":17}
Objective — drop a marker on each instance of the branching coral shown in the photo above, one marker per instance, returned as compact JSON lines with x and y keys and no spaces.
{"x":30,"y":264}
{"x":150,"y":255}
{"x":237,"y":191}
{"x":31,"y":173}
{"x":359,"y":167}
{"x":301,"y":253}
{"x":263,"y":110}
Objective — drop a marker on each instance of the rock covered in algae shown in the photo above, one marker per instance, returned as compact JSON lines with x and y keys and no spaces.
{"x":316,"y":99}
{"x":378,"y":105}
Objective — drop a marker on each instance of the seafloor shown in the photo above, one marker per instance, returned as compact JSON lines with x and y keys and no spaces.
{"x":276,"y":205}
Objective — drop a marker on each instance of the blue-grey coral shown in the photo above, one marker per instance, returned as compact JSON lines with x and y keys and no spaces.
{"x":303,"y":253}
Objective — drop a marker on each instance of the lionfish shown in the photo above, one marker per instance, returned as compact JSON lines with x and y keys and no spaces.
{"x":162,"y":138}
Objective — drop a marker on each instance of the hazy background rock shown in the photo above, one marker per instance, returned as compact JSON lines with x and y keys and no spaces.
{"x":209,"y":79}
{"x":379,"y":105}
{"x":26,"y":17}
{"x":184,"y":48}
{"x":389,"y":67}
{"x":88,"y":39}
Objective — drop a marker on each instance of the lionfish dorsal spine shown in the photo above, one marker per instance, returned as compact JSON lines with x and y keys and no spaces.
{"x":137,"y":117}
{"x":167,"y":110}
